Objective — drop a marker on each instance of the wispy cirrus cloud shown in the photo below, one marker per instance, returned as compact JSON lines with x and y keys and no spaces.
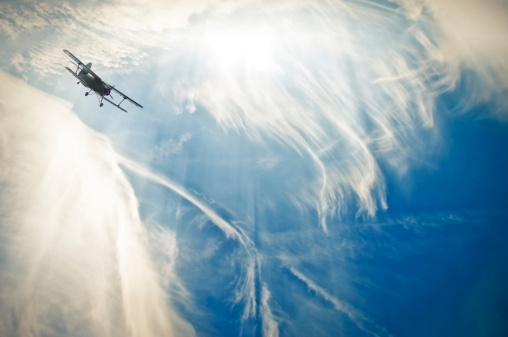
{"x":249,"y":258}
{"x":469,"y":35}
{"x":348,"y":85}
{"x":167,"y":148}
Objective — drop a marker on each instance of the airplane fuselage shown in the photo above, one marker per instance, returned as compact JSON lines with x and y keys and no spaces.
{"x":93,"y":83}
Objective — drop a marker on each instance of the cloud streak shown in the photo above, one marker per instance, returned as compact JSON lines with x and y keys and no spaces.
{"x":353,"y":314}
{"x":250,"y":259}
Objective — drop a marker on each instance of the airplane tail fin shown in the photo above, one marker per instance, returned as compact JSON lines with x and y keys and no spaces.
{"x":85,"y":69}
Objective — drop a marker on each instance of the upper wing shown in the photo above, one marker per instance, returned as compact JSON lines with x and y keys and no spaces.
{"x":126,"y":97}
{"x":82,"y":65}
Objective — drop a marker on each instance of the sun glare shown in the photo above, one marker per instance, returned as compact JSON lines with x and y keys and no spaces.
{"x":249,"y":48}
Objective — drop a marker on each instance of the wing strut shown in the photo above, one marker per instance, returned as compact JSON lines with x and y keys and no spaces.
{"x":125,"y":97}
{"x":82,"y":65}
{"x":117,"y":105}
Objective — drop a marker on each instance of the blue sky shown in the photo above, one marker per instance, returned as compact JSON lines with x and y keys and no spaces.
{"x":299,"y":169}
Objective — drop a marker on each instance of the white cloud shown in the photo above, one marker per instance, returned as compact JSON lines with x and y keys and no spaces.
{"x":74,"y":253}
{"x":167,"y":149}
{"x":270,"y":325}
{"x":471,"y":34}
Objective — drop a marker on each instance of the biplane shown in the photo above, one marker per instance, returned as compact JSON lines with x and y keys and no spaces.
{"x":92,"y":81}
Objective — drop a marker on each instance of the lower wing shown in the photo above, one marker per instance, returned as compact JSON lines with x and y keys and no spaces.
{"x":79,"y":78}
{"x":117,"y":105}
{"x":125,"y":97}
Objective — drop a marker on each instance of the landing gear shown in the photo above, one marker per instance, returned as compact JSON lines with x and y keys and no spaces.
{"x":86,"y":94}
{"x":77,"y":83}
{"x":100,"y":105}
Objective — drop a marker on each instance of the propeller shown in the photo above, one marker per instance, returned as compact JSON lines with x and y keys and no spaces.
{"x":109,"y":91}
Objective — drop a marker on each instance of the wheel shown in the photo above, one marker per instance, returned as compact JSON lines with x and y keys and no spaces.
{"x":101,"y":105}
{"x":86,"y":94}
{"x":77,"y":83}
